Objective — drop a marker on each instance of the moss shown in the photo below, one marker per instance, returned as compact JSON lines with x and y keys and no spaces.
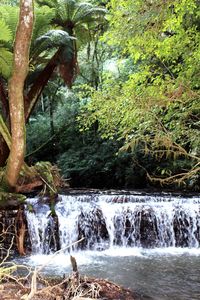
{"x":30,"y":207}
{"x":45,"y":171}
{"x":11,"y":199}
{"x":52,"y":208}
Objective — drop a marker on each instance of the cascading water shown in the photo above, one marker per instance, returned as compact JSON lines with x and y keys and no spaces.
{"x":106,"y":221}
{"x":148,"y":243}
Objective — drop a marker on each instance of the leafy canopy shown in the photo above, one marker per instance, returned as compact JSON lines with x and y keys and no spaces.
{"x":158,"y":105}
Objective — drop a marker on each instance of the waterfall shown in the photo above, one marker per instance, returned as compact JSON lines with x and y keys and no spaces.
{"x":106,"y":221}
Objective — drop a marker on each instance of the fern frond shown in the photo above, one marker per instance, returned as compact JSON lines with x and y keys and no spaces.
{"x":5,"y":32}
{"x":5,"y":62}
{"x":52,"y":39}
{"x":50,"y":3}
{"x":9,"y":14}
{"x":88,"y":13}
{"x":43,"y":19}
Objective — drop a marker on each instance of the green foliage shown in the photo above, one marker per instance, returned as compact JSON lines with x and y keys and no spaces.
{"x":42,"y":24}
{"x":137,"y":94}
{"x":5,"y":54}
{"x":76,"y":17}
{"x":5,"y":62}
{"x":164,"y":35}
{"x":5,"y":33}
{"x":83,"y":157}
{"x":156,"y":106}
{"x":9,"y":14}
{"x":50,"y":40}
{"x":90,"y":161}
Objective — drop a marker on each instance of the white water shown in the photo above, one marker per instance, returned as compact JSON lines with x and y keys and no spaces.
{"x":37,"y":226}
{"x":121,"y":227}
{"x":162,"y":273}
{"x":106,"y":221}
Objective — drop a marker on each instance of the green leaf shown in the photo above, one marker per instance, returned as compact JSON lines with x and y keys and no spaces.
{"x":52,"y":39}
{"x":5,"y":32}
{"x":5,"y":62}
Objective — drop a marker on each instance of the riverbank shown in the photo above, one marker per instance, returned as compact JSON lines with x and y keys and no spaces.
{"x":70,"y":288}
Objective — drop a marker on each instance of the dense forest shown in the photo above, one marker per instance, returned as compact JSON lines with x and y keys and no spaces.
{"x":110,"y":94}
{"x":99,"y":95}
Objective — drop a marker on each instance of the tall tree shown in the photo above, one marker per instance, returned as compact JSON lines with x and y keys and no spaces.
{"x":77,"y":19}
{"x":16,"y":92}
{"x":5,"y":69}
{"x":64,"y":56}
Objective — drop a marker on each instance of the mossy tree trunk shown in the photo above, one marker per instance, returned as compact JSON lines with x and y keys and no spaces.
{"x":16,"y":89}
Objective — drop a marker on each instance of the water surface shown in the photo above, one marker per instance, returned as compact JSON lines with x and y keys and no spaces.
{"x":162,"y":274}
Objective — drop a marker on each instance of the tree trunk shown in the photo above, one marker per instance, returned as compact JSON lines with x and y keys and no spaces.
{"x":68,"y":71}
{"x":39,"y":84}
{"x":16,"y":89}
{"x":30,"y":100}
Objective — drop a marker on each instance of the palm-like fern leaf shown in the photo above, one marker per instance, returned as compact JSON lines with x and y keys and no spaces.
{"x":73,"y":16}
{"x":9,"y":15}
{"x":52,"y":39}
{"x":5,"y":62}
{"x":65,"y":10}
{"x":50,"y":3}
{"x":43,"y":18}
{"x":5,"y":32}
{"x":5,"y":54}
{"x":73,"y":12}
{"x":87,"y":12}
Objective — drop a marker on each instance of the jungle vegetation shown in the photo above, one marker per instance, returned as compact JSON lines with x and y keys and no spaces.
{"x":111,"y":95}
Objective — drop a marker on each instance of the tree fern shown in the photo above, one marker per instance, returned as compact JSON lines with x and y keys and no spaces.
{"x":87,"y":13}
{"x":43,"y":18}
{"x":52,"y":39}
{"x":71,"y":15}
{"x":71,"y":12}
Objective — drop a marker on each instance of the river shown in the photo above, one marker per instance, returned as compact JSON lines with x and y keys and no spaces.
{"x":147,"y":243}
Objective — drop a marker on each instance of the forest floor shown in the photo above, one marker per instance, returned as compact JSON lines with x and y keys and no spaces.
{"x":72,"y":288}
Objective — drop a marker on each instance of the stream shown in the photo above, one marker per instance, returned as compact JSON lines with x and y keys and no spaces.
{"x":147,"y":243}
